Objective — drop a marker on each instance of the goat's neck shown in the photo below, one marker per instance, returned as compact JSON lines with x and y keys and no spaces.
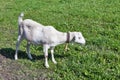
{"x":64,"y":36}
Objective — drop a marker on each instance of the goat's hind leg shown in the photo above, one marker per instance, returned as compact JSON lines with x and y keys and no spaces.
{"x":17,"y":46}
{"x":28,"y":50}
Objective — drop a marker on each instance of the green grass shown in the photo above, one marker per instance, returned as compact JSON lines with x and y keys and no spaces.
{"x":98,"y":20}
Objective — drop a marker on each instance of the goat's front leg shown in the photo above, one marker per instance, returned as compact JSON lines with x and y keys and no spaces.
{"x":28,"y":50}
{"x":45,"y":50}
{"x":52,"y":55}
{"x":66,"y":47}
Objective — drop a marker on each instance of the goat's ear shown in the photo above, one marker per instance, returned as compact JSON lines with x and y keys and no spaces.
{"x":73,"y":40}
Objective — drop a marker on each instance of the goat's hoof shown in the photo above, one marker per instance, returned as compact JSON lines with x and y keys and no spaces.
{"x":54,"y":62}
{"x":47,"y":66}
{"x":16,"y":58}
{"x":30,"y":58}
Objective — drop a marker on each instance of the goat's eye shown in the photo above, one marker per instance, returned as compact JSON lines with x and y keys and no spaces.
{"x":79,"y":37}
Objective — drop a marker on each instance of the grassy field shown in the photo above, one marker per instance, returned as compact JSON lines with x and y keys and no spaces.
{"x":98,"y":20}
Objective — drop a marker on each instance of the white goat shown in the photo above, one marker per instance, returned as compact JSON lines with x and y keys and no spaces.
{"x":47,"y":36}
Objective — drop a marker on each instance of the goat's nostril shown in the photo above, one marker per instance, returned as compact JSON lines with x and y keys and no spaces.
{"x":79,"y":37}
{"x":84,"y":42}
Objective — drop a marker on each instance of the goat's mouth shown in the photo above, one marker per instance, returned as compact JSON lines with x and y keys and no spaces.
{"x":82,"y":43}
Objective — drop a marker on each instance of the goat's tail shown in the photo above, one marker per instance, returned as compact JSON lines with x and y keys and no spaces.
{"x":20,"y":20}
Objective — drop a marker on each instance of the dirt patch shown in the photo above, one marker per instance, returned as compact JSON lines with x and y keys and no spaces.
{"x":12,"y":70}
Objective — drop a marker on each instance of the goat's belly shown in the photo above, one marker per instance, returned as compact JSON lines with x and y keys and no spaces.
{"x":36,"y":42}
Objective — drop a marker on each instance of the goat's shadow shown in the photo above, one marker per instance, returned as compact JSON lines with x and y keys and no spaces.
{"x":9,"y":53}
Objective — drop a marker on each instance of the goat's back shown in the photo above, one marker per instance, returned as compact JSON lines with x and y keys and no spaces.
{"x":31,"y":23}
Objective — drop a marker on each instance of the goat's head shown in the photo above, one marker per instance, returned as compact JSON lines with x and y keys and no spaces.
{"x":78,"y":38}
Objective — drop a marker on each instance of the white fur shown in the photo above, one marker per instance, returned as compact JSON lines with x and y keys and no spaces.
{"x":47,"y":36}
